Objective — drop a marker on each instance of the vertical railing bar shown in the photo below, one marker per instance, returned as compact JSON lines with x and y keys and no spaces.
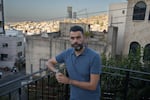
{"x":28,"y":94}
{"x":36,"y":90}
{"x":48,"y":84}
{"x":19,"y":93}
{"x":42,"y":89}
{"x":66,"y":89}
{"x":9,"y":95}
{"x":126,"y":84}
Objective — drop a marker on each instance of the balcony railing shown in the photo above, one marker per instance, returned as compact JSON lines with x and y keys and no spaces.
{"x":116,"y":84}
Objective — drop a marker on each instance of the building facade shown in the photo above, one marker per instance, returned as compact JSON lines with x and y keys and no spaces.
{"x":12,"y":47}
{"x":137,"y":29}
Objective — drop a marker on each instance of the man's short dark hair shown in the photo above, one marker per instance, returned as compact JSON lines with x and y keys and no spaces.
{"x":76,"y":28}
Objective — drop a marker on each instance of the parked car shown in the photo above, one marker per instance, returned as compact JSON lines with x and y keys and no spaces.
{"x":14,"y":69}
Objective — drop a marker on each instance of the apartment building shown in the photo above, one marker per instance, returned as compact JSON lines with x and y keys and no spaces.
{"x":12,"y":47}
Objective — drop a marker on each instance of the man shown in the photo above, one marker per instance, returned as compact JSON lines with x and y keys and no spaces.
{"x":83,"y":66}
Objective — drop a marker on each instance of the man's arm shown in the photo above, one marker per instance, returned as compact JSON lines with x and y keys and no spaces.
{"x":61,"y":78}
{"x":50,"y":64}
{"x":91,"y":85}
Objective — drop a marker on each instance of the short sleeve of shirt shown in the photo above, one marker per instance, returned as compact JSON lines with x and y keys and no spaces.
{"x":61,"y":57}
{"x":96,"y":65}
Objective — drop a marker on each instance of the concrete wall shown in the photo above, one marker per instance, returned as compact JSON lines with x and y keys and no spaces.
{"x":112,"y":39}
{"x":36,"y":49}
{"x":42,"y":48}
{"x":117,"y":18}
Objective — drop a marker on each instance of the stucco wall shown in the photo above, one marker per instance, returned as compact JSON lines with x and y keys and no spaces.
{"x":117,"y":18}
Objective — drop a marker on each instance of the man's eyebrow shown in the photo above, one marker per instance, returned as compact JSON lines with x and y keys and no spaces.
{"x":75,"y":36}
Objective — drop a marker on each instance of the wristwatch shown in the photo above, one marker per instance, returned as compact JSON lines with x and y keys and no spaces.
{"x":56,"y":71}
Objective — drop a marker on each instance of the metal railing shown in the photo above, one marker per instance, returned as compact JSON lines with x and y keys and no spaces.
{"x":40,"y":85}
{"x":124,"y":84}
{"x":116,"y":84}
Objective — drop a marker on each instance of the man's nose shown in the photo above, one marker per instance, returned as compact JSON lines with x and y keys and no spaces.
{"x":75,"y":40}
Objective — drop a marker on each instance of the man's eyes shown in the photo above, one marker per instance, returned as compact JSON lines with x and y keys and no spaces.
{"x":76,"y":37}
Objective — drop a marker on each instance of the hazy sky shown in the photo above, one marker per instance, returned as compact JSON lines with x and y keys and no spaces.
{"x":40,"y":10}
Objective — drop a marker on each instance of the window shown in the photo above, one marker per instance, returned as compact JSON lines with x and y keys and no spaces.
{"x":3,"y":57}
{"x":19,"y":44}
{"x":146,"y":55}
{"x":19,"y":54}
{"x":149,"y":16}
{"x":134,"y":48}
{"x":1,"y":23}
{"x":5,"y":45}
{"x":139,"y":11}
{"x":123,"y":11}
{"x":0,"y":7}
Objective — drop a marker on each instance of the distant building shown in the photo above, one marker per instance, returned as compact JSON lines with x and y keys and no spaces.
{"x":12,"y":47}
{"x":74,"y":15}
{"x":69,"y":10}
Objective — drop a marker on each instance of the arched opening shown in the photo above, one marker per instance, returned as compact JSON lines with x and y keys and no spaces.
{"x":134,"y":55}
{"x":146,"y":55}
{"x":134,"y":48}
{"x":139,"y":11}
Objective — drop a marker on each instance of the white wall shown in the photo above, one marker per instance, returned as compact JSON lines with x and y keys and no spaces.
{"x":117,"y":18}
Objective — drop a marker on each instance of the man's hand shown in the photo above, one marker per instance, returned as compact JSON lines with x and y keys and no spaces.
{"x":61,"y":78}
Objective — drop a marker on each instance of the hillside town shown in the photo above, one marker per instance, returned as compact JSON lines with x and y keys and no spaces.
{"x":98,"y":23}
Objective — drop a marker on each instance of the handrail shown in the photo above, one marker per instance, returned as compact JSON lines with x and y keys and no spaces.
{"x":23,"y":77}
{"x":126,"y":70}
{"x":121,"y":69}
{"x":129,"y":70}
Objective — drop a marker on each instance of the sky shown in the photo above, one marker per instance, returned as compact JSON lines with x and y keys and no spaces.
{"x":42,"y":10}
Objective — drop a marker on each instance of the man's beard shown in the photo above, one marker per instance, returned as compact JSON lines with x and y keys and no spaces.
{"x":77,"y":47}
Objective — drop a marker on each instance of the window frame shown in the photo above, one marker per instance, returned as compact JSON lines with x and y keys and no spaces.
{"x":139,"y":12}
